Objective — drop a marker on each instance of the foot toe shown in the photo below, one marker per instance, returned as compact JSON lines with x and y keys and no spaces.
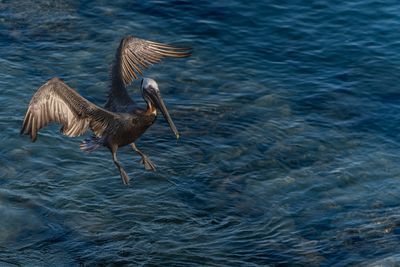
{"x":148,"y":164}
{"x":125,"y":177}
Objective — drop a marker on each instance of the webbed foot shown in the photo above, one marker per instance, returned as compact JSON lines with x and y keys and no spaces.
{"x":148,"y":164}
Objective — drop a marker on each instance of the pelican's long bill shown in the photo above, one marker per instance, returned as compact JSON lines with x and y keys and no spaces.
{"x":159,"y":102}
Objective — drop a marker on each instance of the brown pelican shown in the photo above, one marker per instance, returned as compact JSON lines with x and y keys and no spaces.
{"x":120,"y":122}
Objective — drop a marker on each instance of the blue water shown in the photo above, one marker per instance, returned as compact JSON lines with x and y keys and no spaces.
{"x":289,"y":155}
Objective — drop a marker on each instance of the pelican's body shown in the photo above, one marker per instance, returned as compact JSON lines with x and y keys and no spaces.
{"x":121,"y":121}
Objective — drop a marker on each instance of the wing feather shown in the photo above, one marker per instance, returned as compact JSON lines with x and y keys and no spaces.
{"x":57,"y":102}
{"x":133,"y":56}
{"x":142,"y":53}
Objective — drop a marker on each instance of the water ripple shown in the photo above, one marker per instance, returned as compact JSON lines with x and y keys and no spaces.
{"x":288,"y":155}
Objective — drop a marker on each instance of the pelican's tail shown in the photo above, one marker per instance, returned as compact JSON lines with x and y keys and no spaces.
{"x":91,"y":144}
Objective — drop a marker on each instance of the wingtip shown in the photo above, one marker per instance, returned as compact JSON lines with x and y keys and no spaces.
{"x":33,"y":137}
{"x":25,"y":130}
{"x":185,"y":53}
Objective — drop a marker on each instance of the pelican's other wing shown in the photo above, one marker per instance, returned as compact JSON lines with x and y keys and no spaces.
{"x":132,"y":57}
{"x":57,"y":102}
{"x":136,"y":54}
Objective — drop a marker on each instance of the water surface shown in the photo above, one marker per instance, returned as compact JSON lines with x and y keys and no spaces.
{"x":288,"y":113}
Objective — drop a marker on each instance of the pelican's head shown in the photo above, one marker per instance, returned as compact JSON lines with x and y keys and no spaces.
{"x":151,"y":94}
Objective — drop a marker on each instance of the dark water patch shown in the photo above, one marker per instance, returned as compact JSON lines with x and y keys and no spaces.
{"x":288,"y":148}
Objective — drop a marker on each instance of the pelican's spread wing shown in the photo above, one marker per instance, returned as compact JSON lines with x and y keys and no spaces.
{"x":133,"y":56}
{"x":57,"y":102}
{"x":138,"y":54}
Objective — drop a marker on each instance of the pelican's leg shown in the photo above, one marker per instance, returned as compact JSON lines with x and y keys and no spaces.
{"x":148,"y":164}
{"x":124,"y":176}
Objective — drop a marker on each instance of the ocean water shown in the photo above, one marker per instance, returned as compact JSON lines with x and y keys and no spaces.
{"x":289,"y":148}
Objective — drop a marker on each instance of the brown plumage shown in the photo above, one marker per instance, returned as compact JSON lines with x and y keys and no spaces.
{"x":133,"y":55}
{"x":121,"y":122}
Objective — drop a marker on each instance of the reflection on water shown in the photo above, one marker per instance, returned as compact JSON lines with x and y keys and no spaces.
{"x":289,"y":148}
